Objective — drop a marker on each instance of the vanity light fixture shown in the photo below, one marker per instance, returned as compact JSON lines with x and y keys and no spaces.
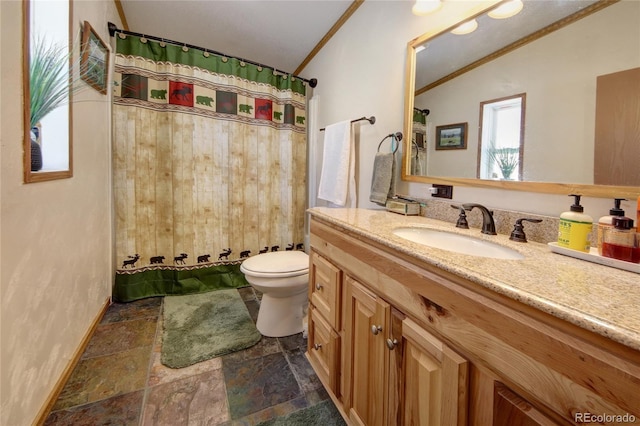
{"x":507,"y":9}
{"x":424,"y":7}
{"x":465,"y":28}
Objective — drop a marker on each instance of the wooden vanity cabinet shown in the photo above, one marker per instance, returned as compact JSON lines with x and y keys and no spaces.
{"x":420,"y":346}
{"x":394,"y":372}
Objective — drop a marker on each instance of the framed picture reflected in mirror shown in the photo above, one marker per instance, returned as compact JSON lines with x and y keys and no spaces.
{"x":451,"y":136}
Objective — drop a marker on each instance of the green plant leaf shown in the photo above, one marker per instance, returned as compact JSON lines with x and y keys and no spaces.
{"x":50,"y":78}
{"x":507,"y":159}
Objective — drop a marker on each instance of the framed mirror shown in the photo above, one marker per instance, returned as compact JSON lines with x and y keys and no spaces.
{"x":560,"y":56}
{"x":48,"y":89}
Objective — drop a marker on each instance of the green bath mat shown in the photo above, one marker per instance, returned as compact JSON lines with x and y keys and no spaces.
{"x":321,"y":414}
{"x":198,"y":327}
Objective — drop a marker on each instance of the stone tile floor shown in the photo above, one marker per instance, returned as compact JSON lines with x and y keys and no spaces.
{"x":120,"y":380}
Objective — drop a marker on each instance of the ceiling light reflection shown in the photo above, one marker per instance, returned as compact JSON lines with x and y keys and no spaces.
{"x":465,"y":28}
{"x":507,"y":10}
{"x":424,"y":7}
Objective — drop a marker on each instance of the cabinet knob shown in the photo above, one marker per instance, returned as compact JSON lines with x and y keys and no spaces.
{"x":391,"y":344}
{"x":318,"y":287}
{"x":375,"y":329}
{"x":317,"y":346}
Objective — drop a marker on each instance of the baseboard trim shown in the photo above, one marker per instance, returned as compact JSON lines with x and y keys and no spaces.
{"x":53,"y":396}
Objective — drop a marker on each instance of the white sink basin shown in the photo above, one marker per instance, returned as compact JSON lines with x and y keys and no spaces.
{"x":457,"y":243}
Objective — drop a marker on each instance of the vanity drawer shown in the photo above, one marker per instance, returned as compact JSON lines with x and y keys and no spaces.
{"x":324,"y":350}
{"x":325,"y":282}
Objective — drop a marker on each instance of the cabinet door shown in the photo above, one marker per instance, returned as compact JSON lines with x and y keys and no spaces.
{"x":510,"y":409}
{"x":366,"y":360}
{"x":324,"y":350}
{"x":324,"y":289}
{"x":435,"y":380}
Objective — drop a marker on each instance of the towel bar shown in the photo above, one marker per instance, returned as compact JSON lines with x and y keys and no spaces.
{"x":371,"y":120}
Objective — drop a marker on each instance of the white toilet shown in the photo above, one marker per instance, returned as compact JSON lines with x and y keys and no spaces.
{"x":283,"y":279}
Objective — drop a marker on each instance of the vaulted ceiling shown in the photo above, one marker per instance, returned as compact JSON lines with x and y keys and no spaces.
{"x":280,"y":34}
{"x":286,"y":34}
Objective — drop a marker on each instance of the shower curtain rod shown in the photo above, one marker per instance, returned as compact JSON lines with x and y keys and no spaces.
{"x":371,"y":120}
{"x":113,"y":29}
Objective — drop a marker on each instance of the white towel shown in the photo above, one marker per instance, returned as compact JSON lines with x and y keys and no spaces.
{"x":337,"y":178}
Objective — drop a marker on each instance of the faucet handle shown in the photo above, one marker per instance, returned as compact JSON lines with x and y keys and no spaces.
{"x":518,"y":230}
{"x":462,"y":219}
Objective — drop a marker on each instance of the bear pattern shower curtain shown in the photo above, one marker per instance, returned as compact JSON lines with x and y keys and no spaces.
{"x":209,"y":159}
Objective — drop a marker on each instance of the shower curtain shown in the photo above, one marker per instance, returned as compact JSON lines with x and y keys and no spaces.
{"x":209,"y":158}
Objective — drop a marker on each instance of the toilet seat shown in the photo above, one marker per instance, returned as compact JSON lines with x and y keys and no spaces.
{"x":277,"y":264}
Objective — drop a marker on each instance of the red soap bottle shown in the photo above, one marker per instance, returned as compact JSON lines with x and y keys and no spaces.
{"x":619,"y":241}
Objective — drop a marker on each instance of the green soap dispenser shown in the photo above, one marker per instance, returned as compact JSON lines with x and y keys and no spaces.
{"x":575,"y":227}
{"x":607,"y":221}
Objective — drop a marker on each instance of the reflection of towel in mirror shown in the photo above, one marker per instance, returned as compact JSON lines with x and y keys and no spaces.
{"x":337,"y":178}
{"x":382,"y":182}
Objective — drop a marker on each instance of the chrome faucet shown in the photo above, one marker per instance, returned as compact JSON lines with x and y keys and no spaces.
{"x":488,"y":225}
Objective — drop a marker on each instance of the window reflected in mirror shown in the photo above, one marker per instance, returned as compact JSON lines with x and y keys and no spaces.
{"x":501,"y":147}
{"x":48,"y":87}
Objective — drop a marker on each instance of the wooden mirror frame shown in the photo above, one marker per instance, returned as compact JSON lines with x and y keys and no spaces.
{"x":598,"y":191}
{"x":40,"y":176}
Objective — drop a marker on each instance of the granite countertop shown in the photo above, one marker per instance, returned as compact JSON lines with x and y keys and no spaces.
{"x":598,"y":298}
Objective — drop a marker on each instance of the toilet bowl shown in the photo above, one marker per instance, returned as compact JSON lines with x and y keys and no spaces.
{"x":283,"y":279}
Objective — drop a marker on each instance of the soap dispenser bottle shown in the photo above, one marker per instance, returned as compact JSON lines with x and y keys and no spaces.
{"x":619,"y":240}
{"x":575,"y":227}
{"x":607,"y":221}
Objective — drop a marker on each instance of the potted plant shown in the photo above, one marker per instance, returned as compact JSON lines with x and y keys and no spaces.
{"x":51,"y":83}
{"x":507,"y":159}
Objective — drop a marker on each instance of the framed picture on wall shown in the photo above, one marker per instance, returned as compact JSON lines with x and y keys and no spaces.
{"x":94,"y":59}
{"x":451,"y":136}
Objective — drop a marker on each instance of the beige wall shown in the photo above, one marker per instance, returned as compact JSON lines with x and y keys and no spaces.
{"x":56,"y":237}
{"x":361,"y":71}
